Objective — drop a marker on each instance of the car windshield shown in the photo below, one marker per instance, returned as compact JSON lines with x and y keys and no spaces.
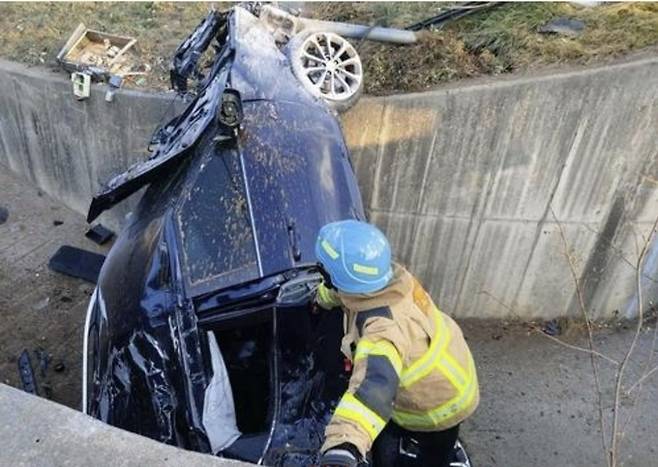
{"x":214,"y":223}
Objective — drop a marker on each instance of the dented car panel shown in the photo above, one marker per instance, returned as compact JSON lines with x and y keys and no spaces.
{"x":222,"y":241}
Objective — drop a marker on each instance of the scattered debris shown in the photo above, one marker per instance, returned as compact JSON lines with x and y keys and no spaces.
{"x":57,"y":223}
{"x":94,"y":55}
{"x":78,"y":263}
{"x":114,"y":83}
{"x":4,"y":215}
{"x":81,"y":85}
{"x":452,"y":13}
{"x":99,"y":234}
{"x":41,"y":304}
{"x":44,"y":360}
{"x":97,"y":53}
{"x":565,"y":26}
{"x":26,"y":373}
{"x":60,"y":367}
{"x":552,"y":328}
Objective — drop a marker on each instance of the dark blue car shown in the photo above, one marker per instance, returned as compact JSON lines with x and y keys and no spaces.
{"x":219,"y":255}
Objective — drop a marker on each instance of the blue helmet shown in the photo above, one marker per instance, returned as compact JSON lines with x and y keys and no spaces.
{"x":356,"y":255}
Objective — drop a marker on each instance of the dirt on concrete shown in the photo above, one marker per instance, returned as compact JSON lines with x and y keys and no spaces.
{"x":42,"y":311}
{"x":539,"y":402}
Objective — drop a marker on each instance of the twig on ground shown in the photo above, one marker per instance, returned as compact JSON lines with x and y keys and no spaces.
{"x":642,"y":379}
{"x":575,"y":347}
{"x":539,"y":331}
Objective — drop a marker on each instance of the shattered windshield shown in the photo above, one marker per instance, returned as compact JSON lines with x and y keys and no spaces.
{"x":214,"y":223}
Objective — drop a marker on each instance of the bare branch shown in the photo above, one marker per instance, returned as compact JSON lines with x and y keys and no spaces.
{"x":622,"y":367}
{"x":642,"y":379}
{"x":575,"y":347}
{"x":590,"y":338}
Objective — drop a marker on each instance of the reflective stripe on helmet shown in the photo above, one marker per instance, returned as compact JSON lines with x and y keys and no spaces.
{"x":383,"y":348}
{"x":369,"y":270}
{"x":326,"y":246}
{"x":352,"y":409}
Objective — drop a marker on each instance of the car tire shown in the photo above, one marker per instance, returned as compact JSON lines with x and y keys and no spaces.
{"x":328,"y":67}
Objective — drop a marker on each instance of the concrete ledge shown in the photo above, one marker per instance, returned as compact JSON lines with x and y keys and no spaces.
{"x":35,"y":431}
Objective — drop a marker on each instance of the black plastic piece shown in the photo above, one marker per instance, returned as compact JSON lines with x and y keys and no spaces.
{"x":463,"y":9}
{"x":186,"y":58}
{"x":247,"y":447}
{"x":99,"y":234}
{"x":76,"y":262}
{"x":26,"y":373}
{"x":4,"y":215}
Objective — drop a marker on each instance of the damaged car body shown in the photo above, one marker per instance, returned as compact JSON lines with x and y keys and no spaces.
{"x":200,"y":332}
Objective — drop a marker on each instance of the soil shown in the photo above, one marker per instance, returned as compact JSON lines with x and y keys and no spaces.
{"x":501,"y":40}
{"x":42,"y":311}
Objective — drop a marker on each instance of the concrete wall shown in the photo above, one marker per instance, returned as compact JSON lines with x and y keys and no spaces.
{"x":462,"y":179}
{"x":37,"y":432}
{"x":70,"y":148}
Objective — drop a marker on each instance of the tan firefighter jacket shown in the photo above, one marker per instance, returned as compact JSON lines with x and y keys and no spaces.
{"x":410,"y":364}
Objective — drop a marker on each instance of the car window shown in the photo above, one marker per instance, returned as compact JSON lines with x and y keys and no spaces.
{"x":214,"y":222}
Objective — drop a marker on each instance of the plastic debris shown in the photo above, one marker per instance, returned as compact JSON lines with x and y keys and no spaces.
{"x":26,"y":373}
{"x":552,"y":328}
{"x":78,"y":263}
{"x":564,"y":26}
{"x":99,"y":234}
{"x":4,"y":215}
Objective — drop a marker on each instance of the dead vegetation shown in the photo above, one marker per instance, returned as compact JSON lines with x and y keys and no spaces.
{"x":500,"y":40}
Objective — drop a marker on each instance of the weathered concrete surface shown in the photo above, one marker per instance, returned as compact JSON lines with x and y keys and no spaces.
{"x":36,"y":432}
{"x":71,"y":148}
{"x":539,"y":404}
{"x":463,"y":181}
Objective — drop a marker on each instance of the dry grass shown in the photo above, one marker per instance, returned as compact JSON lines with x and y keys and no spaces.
{"x":496,"y":41}
{"x":499,"y":40}
{"x":33,"y":33}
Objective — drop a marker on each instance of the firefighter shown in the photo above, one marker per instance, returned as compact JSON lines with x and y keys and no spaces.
{"x":413,"y":378}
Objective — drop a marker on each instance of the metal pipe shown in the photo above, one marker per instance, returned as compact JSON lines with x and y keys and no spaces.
{"x":357,"y":31}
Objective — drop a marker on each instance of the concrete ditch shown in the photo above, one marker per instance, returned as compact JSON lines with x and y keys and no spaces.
{"x":36,"y":431}
{"x":476,"y":184}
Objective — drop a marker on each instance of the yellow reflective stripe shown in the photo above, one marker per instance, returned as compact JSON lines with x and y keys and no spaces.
{"x":382,"y":347}
{"x":351,"y":408}
{"x":370,"y":270}
{"x":443,"y":413}
{"x":452,"y":371}
{"x":424,"y":365}
{"x":326,"y":298}
{"x":326,"y":246}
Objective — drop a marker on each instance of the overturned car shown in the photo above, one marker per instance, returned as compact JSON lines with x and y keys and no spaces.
{"x":199,"y":333}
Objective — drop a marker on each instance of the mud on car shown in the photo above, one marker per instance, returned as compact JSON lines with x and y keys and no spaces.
{"x":200,"y":332}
